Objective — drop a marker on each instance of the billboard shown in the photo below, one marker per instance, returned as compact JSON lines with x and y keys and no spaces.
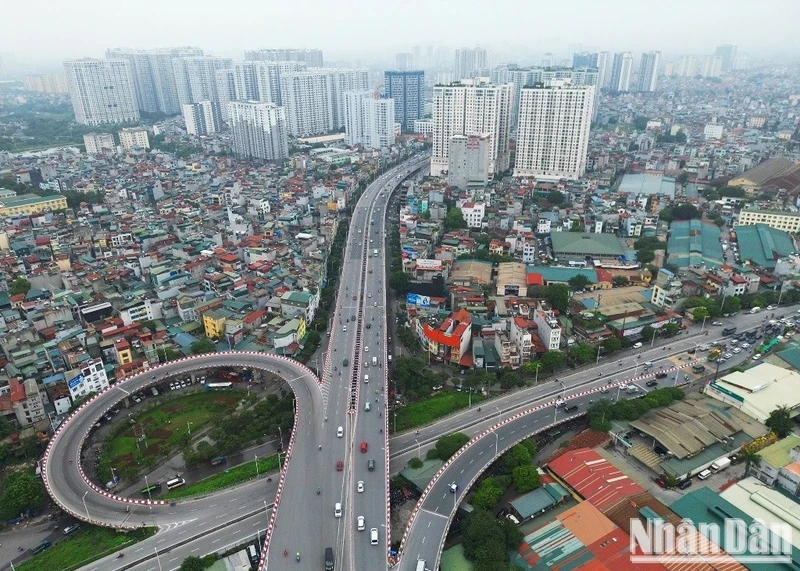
{"x":421,"y":300}
{"x":75,"y":381}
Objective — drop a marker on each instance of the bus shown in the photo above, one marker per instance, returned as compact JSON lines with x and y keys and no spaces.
{"x":218,"y":386}
{"x":175,"y":483}
{"x":154,"y":489}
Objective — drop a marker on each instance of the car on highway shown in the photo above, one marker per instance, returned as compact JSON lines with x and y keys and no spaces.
{"x":728,"y":356}
{"x":373,"y":536}
{"x":345,"y":362}
{"x":737,"y":350}
{"x":661,"y":375}
{"x":360,"y":525}
{"x":745,"y":345}
{"x":652,"y":383}
{"x":339,"y":465}
{"x":337,"y":510}
{"x":453,"y":488}
{"x":371,"y":465}
{"x":366,"y":406}
{"x":344,"y":328}
{"x":339,"y":432}
{"x":571,"y":408}
{"x":360,"y":486}
{"x":363,"y":447}
{"x":716,"y":323}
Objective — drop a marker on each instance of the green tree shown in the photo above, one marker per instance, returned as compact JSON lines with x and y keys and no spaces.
{"x":204,"y":345}
{"x":578,"y":282}
{"x":415,"y":463}
{"x":18,"y":286}
{"x":683,"y":178}
{"x":487,"y":495}
{"x":647,"y":333}
{"x":192,"y":563}
{"x":670,"y":329}
{"x":780,"y":422}
{"x":526,"y":478}
{"x":557,"y":295}
{"x":620,"y":281}
{"x":645,"y":256}
{"x":701,"y":313}
{"x":400,"y":282}
{"x":612,"y":344}
{"x":448,"y":445}
{"x":640,"y":122}
{"x":518,"y":455}
{"x":149,"y":325}
{"x":583,"y":353}
{"x":454,"y":220}
{"x":552,"y":360}
{"x":21,"y":491}
{"x":685,"y":212}
{"x":555,"y":198}
{"x":752,"y":459}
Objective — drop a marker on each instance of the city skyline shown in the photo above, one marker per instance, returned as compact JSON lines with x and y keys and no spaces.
{"x":61,"y":34}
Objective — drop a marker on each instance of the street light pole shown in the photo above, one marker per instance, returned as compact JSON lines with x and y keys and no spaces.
{"x":598,"y":355}
{"x":158,"y":559}
{"x":147,"y":485}
{"x":256,"y":461}
{"x":496,"y":443}
{"x":189,"y":427}
{"x":653,"y":340}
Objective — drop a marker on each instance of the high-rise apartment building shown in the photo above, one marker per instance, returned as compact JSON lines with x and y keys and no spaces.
{"x":50,"y":83}
{"x":687,"y":67}
{"x":252,"y":81}
{"x":226,"y":91}
{"x":532,"y":76}
{"x":154,"y":76}
{"x":308,"y":97}
{"x":469,"y":162}
{"x":468,"y":109}
{"x":258,"y":130}
{"x":727,"y":53}
{"x":101,"y":91}
{"x":200,"y":118}
{"x":404,"y":61}
{"x":621,"y":72}
{"x":407,"y":90}
{"x":470,"y":62}
{"x":345,"y":80}
{"x":312,"y":58}
{"x":196,"y":77}
{"x":98,"y":142}
{"x":603,"y":70}
{"x":648,"y":71}
{"x":369,"y":120}
{"x":553,"y":132}
{"x":712,"y":66}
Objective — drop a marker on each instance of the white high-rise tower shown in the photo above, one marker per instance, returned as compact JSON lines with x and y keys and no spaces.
{"x":648,"y":71}
{"x":553,"y":131}
{"x":259,"y":130}
{"x":369,"y":120}
{"x":101,"y":91}
{"x":308,"y":97}
{"x":621,"y":72}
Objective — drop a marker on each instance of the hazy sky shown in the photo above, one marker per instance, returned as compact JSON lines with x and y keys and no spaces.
{"x":51,"y":30}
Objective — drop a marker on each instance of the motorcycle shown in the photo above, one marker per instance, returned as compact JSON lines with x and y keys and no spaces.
{"x":318,"y":491}
{"x":298,"y":556}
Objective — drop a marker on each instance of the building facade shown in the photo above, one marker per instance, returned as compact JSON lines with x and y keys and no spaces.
{"x":310,"y":57}
{"x":134,"y":137}
{"x":90,"y":378}
{"x":461,"y":109}
{"x":648,"y":71}
{"x":252,"y":81}
{"x":96,"y":143}
{"x":259,"y":130}
{"x":200,"y":118}
{"x":470,"y":62}
{"x":345,"y":80}
{"x":469,"y":162}
{"x":101,"y":91}
{"x":369,"y":120}
{"x":553,"y":133}
{"x":309,"y":102}
{"x":196,"y":78}
{"x":47,"y":83}
{"x":407,"y":90}
{"x":778,"y":219}
{"x":621,"y":69}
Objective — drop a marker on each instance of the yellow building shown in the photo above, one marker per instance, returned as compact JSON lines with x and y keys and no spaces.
{"x":778,"y":219}
{"x":28,"y":204}
{"x":214,"y":323}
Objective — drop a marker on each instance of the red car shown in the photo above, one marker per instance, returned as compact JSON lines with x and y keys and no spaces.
{"x":363,"y":447}
{"x":339,"y":465}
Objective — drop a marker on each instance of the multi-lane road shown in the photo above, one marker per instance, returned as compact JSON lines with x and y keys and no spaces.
{"x":535,"y":410}
{"x":348,"y":444}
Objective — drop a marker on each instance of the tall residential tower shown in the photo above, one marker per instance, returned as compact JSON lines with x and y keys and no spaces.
{"x":407,"y":90}
{"x":258,"y":130}
{"x":648,"y":71}
{"x":101,"y":91}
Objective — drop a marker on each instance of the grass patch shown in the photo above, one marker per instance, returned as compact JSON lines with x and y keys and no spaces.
{"x":226,"y":479}
{"x":167,"y":424}
{"x":83,"y":547}
{"x":430,"y":409}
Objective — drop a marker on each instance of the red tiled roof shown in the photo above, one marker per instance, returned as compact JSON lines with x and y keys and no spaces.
{"x":535,"y":279}
{"x":594,"y":477}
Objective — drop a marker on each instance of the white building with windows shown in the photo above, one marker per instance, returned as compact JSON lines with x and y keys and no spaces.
{"x":648,"y":71}
{"x":548,"y":328}
{"x":553,"y":132}
{"x":344,"y":80}
{"x":196,"y":78}
{"x":200,"y":118}
{"x":469,"y":160}
{"x":474,"y":213}
{"x":252,"y":81}
{"x":621,"y":69}
{"x":101,"y":91}
{"x":463,"y":109}
{"x":98,"y":142}
{"x":140,"y":310}
{"x":259,"y":130}
{"x":90,"y":378}
{"x":133,"y":137}
{"x":309,"y":102}
{"x":470,"y":62}
{"x":369,"y":120}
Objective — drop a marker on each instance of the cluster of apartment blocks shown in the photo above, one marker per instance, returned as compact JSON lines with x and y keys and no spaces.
{"x":208,"y":248}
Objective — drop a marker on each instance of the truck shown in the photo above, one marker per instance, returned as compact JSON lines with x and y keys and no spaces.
{"x":729,"y":331}
{"x":720,"y":465}
{"x":755,"y":310}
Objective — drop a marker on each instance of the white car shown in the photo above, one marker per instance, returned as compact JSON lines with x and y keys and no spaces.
{"x":360,"y":525}
{"x":745,"y":345}
{"x":728,"y":356}
{"x":360,"y":486}
{"x":737,"y":350}
{"x":366,"y":349}
{"x":337,"y":510}
{"x":637,"y":345}
{"x":339,"y":432}
{"x":369,"y":295}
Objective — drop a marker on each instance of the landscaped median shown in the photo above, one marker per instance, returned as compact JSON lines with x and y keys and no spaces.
{"x":431,"y":409}
{"x":226,"y":479}
{"x":81,"y":548}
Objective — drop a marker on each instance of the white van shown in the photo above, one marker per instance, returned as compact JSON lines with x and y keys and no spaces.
{"x":420,"y":565}
{"x":373,"y":536}
{"x":374,"y":361}
{"x":366,"y":406}
{"x":337,"y":510}
{"x":704,"y":474}
{"x":366,"y":378}
{"x":339,"y":432}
